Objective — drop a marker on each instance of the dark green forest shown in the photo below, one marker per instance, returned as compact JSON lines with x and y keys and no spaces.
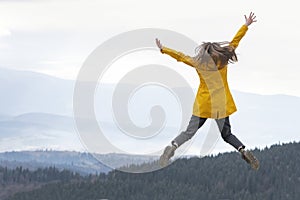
{"x":20,"y":179}
{"x":222,"y":177}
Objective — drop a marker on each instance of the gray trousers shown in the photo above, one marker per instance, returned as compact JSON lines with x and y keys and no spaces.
{"x":196,"y":122}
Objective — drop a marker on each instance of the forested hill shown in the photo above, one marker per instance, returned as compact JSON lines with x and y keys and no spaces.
{"x":225,"y":176}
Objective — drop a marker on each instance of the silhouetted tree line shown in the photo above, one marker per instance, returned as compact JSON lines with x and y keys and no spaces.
{"x":23,"y":176}
{"x":225,"y":176}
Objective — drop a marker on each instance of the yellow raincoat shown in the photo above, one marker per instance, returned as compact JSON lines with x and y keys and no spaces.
{"x":213,"y":99}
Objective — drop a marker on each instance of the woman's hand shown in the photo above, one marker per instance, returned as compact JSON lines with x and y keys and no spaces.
{"x":250,"y":19}
{"x":158,"y":43}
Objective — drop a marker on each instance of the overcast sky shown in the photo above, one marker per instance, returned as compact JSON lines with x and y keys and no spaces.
{"x":56,"y":36}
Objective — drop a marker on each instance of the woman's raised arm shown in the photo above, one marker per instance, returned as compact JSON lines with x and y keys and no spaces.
{"x":179,"y":56}
{"x":242,"y":31}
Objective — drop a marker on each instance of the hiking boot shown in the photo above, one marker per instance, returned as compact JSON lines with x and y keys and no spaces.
{"x":250,"y":158}
{"x":165,"y":157}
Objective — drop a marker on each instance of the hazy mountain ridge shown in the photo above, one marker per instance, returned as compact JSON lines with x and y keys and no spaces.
{"x":83,"y":163}
{"x":36,"y":113}
{"x":27,"y":92}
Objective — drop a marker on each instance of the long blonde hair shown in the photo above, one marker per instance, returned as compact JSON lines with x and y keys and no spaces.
{"x":215,"y":51}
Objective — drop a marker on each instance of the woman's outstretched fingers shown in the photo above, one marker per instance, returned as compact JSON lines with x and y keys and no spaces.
{"x":252,"y":16}
{"x":158,"y":43}
{"x":253,"y":19}
{"x":250,"y":19}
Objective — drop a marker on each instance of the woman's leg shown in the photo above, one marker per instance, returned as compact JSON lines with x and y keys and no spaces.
{"x":194,"y":124}
{"x":225,"y":129}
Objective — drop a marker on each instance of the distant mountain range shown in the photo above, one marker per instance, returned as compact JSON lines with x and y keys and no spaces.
{"x":36,"y":113}
{"x":27,"y":92}
{"x":83,"y":163}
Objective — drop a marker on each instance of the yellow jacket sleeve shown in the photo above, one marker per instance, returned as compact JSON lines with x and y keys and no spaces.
{"x":238,"y":36}
{"x":179,"y":56}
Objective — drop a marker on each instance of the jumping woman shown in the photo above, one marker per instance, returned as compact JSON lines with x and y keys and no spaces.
{"x":214,"y":99}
